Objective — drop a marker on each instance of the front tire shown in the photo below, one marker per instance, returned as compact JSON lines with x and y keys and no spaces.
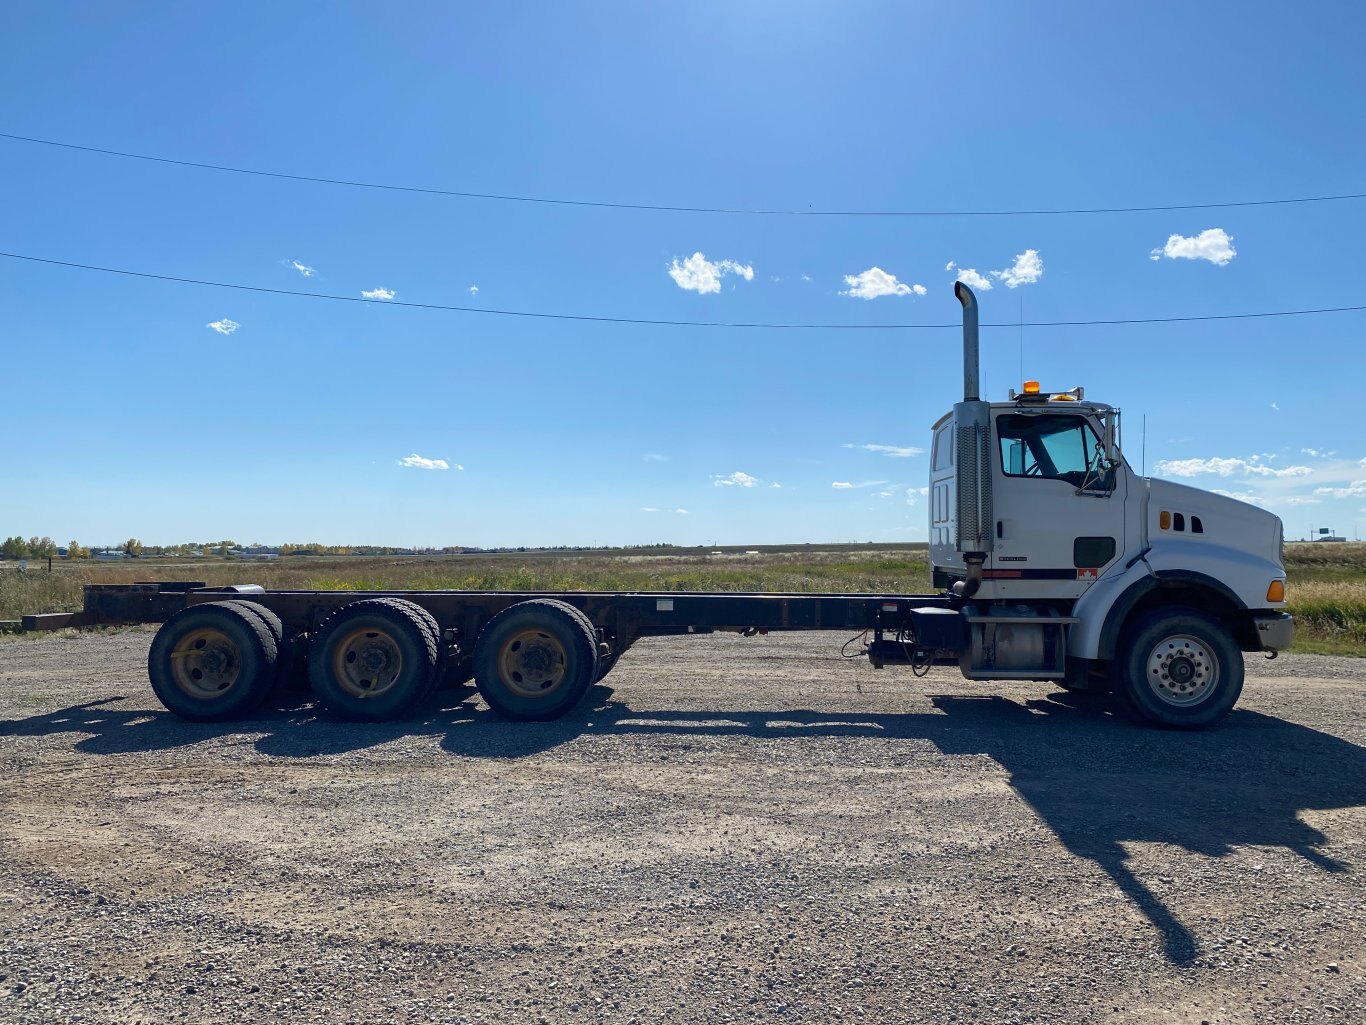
{"x":1179,"y":668}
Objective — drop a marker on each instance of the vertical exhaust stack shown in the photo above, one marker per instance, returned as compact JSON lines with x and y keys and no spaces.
{"x":975,"y":518}
{"x":971,"y":375}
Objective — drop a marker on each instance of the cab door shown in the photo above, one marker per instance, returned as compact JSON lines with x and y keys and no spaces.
{"x":1059,"y":510}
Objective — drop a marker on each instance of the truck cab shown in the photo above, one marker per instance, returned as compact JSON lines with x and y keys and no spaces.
{"x":1074,"y":567}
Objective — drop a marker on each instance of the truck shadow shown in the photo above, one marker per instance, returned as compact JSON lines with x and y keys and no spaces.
{"x":292,"y":728}
{"x":1095,"y":781}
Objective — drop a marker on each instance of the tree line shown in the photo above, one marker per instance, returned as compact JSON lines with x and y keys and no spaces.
{"x":17,"y":547}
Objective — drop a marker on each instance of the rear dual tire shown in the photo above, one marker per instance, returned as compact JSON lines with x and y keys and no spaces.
{"x":213,"y":662}
{"x":375,"y":659}
{"x":535,"y":660}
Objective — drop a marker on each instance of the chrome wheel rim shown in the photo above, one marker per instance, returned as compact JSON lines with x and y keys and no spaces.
{"x":1182,"y":670}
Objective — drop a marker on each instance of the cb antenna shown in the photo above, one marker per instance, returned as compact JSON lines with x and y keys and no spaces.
{"x":1021,"y":377}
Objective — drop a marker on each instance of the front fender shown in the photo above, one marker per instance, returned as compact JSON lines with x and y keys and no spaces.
{"x":1239,"y":577}
{"x":1111,"y":595}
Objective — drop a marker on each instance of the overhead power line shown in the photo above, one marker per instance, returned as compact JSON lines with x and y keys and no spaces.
{"x":672,"y":323}
{"x":674,"y":208}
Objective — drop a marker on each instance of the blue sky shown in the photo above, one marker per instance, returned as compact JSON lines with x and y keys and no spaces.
{"x":126,"y":414}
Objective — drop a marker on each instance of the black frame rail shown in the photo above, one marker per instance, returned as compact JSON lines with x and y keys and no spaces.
{"x":626,"y":616}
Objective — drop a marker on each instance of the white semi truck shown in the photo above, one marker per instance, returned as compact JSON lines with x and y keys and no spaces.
{"x":1075,"y":564}
{"x":1056,"y":562}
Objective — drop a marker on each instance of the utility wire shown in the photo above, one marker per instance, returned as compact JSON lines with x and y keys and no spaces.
{"x":664,"y":208}
{"x":674,"y":323}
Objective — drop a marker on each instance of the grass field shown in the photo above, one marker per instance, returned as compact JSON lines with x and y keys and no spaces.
{"x":1327,"y":581}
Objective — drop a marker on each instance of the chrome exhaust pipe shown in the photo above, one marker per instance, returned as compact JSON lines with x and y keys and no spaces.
{"x":972,"y":389}
{"x":975,"y":521}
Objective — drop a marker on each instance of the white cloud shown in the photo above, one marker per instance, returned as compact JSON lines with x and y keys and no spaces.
{"x":1353,"y":490}
{"x":306,"y":271}
{"x":1301,"y":500}
{"x":417,"y":462}
{"x":474,"y":289}
{"x":775,"y":484}
{"x":648,"y":508}
{"x":806,"y":277}
{"x":1212,"y":244}
{"x":224,"y":326}
{"x":876,"y":282}
{"x":1276,"y":406}
{"x":655,"y":457}
{"x":844,"y":485}
{"x":950,"y":265}
{"x":1226,"y":468}
{"x":1242,"y":496}
{"x":894,"y":451}
{"x":379,"y":293}
{"x":698,"y":274}
{"x":681,"y":512}
{"x":972,"y":279}
{"x":1027,"y":269}
{"x":1318,"y":453}
{"x":914,"y":495}
{"x":737,"y":479}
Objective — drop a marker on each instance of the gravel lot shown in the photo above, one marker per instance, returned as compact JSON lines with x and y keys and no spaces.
{"x":729,"y":830}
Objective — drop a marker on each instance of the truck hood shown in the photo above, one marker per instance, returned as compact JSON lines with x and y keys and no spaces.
{"x":1226,"y":520}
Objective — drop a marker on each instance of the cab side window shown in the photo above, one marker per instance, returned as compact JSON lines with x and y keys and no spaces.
{"x":943,"y":448}
{"x":1052,"y":446}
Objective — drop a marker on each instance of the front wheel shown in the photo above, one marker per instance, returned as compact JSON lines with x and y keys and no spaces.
{"x":1178,"y":667}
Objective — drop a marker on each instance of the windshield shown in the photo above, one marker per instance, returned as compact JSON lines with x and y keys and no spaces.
{"x":1052,"y":446}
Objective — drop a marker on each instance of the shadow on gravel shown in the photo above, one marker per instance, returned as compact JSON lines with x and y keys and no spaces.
{"x":1099,"y":782}
{"x":294,"y":729}
{"x":1095,"y":780}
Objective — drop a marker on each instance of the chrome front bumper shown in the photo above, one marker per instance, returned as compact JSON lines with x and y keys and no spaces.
{"x":1275,"y":630}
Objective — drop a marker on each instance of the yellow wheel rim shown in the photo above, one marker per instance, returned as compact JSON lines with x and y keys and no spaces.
{"x":205,"y":663}
{"x":366,"y":662}
{"x":532,"y":664}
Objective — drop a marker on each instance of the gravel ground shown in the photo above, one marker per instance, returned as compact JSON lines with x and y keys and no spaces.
{"x":729,"y":830}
